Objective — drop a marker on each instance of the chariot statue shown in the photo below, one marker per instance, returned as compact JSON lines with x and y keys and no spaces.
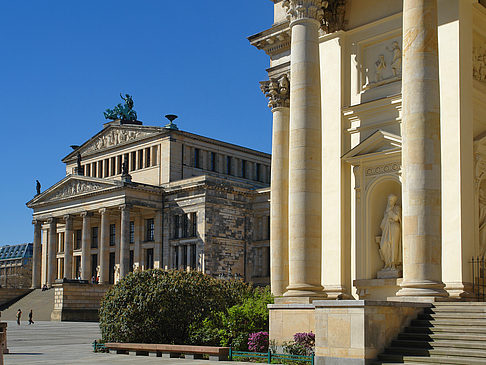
{"x":122,"y":112}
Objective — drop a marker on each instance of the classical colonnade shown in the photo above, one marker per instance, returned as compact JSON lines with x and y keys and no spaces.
{"x":105,"y":216}
{"x":296,"y":187}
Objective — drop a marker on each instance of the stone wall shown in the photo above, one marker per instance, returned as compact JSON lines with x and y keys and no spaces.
{"x":8,"y":295}
{"x":78,"y":302}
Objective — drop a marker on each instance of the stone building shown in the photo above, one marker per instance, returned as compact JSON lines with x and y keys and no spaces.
{"x":137,"y":197}
{"x":378,"y":164}
{"x":16,"y":265}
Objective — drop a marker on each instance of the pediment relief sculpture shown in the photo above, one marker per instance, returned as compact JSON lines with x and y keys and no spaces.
{"x":115,"y":137}
{"x":479,"y":63}
{"x":75,"y":187}
{"x":390,"y":241}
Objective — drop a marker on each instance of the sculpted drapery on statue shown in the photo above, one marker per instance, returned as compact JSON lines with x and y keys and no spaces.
{"x":391,"y":238}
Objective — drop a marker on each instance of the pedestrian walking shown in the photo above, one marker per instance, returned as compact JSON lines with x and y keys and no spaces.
{"x":30,"y":317}
{"x":19,"y":314}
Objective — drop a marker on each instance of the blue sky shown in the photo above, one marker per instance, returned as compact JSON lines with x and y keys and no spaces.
{"x":64,"y":62}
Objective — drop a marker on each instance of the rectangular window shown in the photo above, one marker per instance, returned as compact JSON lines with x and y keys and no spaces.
{"x":112,"y":234}
{"x":193,"y":257}
{"x":213,"y":162}
{"x":77,"y":239}
{"x":132,"y":232}
{"x":111,"y":268}
{"x":243,"y":169}
{"x":150,"y":258}
{"x":194,"y":224}
{"x":61,"y":242}
{"x":130,"y":266}
{"x":150,"y":227}
{"x":177,"y":226}
{"x":112,"y":166}
{"x":134,"y":160}
{"x":107,"y":167}
{"x":94,"y":237}
{"x":147,"y":157}
{"x":258,"y":172}
{"x":119,"y":166}
{"x":185,"y":226}
{"x":228,"y":165}
{"x":197,"y":158}
{"x":140,"y":159}
{"x":176,"y":258}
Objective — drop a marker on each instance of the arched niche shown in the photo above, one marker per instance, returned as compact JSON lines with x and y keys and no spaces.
{"x":376,"y":202}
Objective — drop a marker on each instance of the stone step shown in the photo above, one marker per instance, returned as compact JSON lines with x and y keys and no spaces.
{"x":441,"y":351}
{"x":457,"y":309}
{"x":455,"y":315}
{"x":447,"y":329}
{"x":442,"y":336}
{"x":449,"y":322}
{"x":438,"y":344}
{"x":397,"y":359}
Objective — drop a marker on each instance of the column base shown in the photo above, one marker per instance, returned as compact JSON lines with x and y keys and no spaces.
{"x":422,"y":289}
{"x":336,"y":292}
{"x":460,"y":291}
{"x":305,"y":290}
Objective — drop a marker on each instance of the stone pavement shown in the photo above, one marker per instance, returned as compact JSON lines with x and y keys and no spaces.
{"x":69,"y":343}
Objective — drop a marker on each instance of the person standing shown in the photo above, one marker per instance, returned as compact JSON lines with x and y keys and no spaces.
{"x":30,"y":317}
{"x":19,"y":315}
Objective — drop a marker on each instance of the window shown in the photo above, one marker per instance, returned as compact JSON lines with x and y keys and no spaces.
{"x":150,"y":229}
{"x":177,"y":225}
{"x":134,"y":160}
{"x":77,"y":239}
{"x":119,"y":167}
{"x":150,"y":258}
{"x":94,"y":265}
{"x":86,"y":169}
{"x":112,"y":234}
{"x":112,"y":166}
{"x":258,"y":172}
{"x":130,"y":266}
{"x":77,"y":267}
{"x":94,"y":237}
{"x":193,"y":257}
{"x":140,"y":159}
{"x":197,"y":158}
{"x":185,"y":226}
{"x":228,"y":165}
{"x":194,"y":224}
{"x":61,"y":242}
{"x":213,"y":161}
{"x":243,"y":169}
{"x":132,"y":232}
{"x":147,"y":157}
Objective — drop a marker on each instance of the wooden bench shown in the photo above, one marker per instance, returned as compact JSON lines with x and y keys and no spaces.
{"x":171,"y":351}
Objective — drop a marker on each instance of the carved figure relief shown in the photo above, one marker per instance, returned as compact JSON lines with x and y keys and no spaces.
{"x":74,"y":188}
{"x":479,"y":63}
{"x":482,"y":222}
{"x":391,"y":238}
{"x":385,"y":66}
{"x":114,"y":138}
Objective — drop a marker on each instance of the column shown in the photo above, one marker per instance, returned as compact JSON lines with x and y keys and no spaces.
{"x":124,"y":241}
{"x":278,"y":92}
{"x":304,"y":150}
{"x":68,"y":247}
{"x":104,"y":247}
{"x":421,"y":154}
{"x":36,"y":256}
{"x":158,"y":249}
{"x":180,"y":257}
{"x":85,"y":246}
{"x":51,"y":251}
{"x":188,"y":261}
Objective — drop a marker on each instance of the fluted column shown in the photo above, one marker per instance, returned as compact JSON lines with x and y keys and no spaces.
{"x":278,"y":92}
{"x":304,"y":150}
{"x":125,"y":241}
{"x":68,"y":247}
{"x":104,"y":247}
{"x":85,"y":245}
{"x":421,"y":186}
{"x":51,"y":251}
{"x":37,"y":254}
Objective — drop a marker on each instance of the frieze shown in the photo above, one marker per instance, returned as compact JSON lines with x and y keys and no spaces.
{"x":77,"y":187}
{"x":383,"y":169}
{"x":115,"y":137}
{"x":479,"y":63}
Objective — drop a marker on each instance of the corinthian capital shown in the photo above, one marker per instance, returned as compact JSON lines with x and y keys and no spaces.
{"x":305,"y":9}
{"x":277,"y":91}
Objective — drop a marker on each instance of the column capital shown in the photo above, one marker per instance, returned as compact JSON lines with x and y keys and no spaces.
{"x":52,"y":220}
{"x":125,"y":207}
{"x":86,"y":214}
{"x":67,"y":217}
{"x":305,"y":10}
{"x":277,"y":91}
{"x":36,"y":222}
{"x":103,"y":211}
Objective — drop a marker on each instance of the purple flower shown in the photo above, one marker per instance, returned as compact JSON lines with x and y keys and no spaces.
{"x":258,"y":342}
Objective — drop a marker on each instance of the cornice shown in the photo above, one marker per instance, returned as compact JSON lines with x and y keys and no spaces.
{"x":273,"y":41}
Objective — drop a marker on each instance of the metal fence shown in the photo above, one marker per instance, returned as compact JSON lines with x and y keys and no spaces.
{"x":269,"y":356}
{"x":478,"y":265}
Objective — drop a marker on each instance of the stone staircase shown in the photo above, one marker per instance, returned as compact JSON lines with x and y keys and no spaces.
{"x":448,"y":333}
{"x":41,"y":303}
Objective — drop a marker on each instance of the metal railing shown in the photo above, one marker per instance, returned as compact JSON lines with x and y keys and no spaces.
{"x":478,"y":265}
{"x":99,"y":347}
{"x":269,"y":356}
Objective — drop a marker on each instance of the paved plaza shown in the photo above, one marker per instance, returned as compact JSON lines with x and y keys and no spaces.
{"x":69,"y":343}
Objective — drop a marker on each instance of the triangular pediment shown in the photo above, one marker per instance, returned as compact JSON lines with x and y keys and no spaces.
{"x":73,"y":186}
{"x":114,"y":136}
{"x":380,"y":142}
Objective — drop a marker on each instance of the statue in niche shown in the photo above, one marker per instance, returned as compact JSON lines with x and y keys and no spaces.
{"x":396,"y":63}
{"x":117,"y":273}
{"x":482,"y":222}
{"x":391,"y":238}
{"x":380,"y":66}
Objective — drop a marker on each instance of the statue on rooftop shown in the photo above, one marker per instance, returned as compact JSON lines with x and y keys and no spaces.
{"x":122,"y":112}
{"x":38,"y":187}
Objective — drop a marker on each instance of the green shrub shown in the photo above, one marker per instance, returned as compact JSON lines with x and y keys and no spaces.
{"x":158,"y":306}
